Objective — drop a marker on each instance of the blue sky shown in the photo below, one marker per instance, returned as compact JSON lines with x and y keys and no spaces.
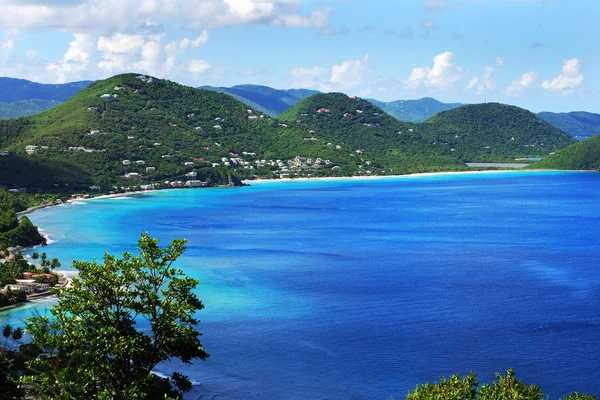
{"x":537,"y":54}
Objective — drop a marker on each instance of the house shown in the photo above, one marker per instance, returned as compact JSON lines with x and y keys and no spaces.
{"x":347,"y":114}
{"x":157,"y":144}
{"x":126,"y":162}
{"x":150,"y":169}
{"x":192,"y":174}
{"x":195,"y":183}
{"x":140,"y":162}
{"x":130,"y":137}
{"x":188,"y":163}
{"x":191,"y":115}
{"x":94,"y":187}
{"x":147,"y":187}
{"x":249,"y":111}
{"x":93,"y":108}
{"x":116,"y":96}
{"x":94,"y":132}
{"x":252,"y":117}
{"x":153,"y":109}
{"x":4,"y":153}
{"x":217,"y":127}
{"x":105,"y":96}
{"x":117,"y":88}
{"x":198,"y":128}
{"x":166,"y":156}
{"x":132,"y":175}
{"x":324,"y":110}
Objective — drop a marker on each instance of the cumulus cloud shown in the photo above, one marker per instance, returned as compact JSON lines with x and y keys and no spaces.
{"x":198,"y":67}
{"x":518,"y":86}
{"x":443,"y":74}
{"x":485,"y":83}
{"x":569,"y":80}
{"x":428,"y":26}
{"x":307,"y":77}
{"x":75,"y":60}
{"x":109,"y":16}
{"x":349,"y":74}
{"x":499,"y":61}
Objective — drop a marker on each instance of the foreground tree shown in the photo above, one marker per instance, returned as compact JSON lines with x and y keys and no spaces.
{"x":92,"y":348}
{"x":507,"y":387}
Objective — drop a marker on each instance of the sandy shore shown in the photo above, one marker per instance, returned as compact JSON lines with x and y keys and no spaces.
{"x":424,"y":174}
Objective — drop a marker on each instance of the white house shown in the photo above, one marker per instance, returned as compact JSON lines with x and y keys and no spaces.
{"x":140,"y":162}
{"x":126,"y":162}
{"x":94,"y":132}
{"x":188,"y":163}
{"x":150,"y":169}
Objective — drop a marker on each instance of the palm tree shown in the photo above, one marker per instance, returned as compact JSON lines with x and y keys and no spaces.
{"x":6,"y":332}
{"x":17,"y":335}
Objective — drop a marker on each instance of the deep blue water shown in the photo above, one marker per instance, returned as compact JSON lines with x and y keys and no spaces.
{"x":360,"y":289}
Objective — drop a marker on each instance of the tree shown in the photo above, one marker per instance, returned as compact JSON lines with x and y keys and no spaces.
{"x":54,"y":264}
{"x":92,"y":349}
{"x":35,"y":255}
{"x":508,"y":387}
{"x":453,"y":388}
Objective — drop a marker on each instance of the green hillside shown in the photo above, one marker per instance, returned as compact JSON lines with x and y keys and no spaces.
{"x":177,"y":133}
{"x":483,"y":132}
{"x":494,"y":132}
{"x":414,"y":110}
{"x":369,"y":133}
{"x":579,"y":124}
{"x":263,"y":98}
{"x":583,"y":155}
{"x":24,"y":108}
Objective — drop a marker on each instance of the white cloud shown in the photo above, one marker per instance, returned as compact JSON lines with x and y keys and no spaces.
{"x":349,"y":74}
{"x":75,"y":61}
{"x":198,"y":67}
{"x":485,"y":83}
{"x":499,"y":61}
{"x":570,"y":79}
{"x":518,"y":86}
{"x":444,"y":73}
{"x":110,"y":16}
{"x":203,"y":38}
{"x":435,"y":5}
{"x":307,"y":77}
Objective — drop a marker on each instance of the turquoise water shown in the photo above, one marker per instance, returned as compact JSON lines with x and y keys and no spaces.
{"x":360,"y":289}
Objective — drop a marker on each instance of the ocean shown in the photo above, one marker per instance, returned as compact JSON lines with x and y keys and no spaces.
{"x":362,"y":288}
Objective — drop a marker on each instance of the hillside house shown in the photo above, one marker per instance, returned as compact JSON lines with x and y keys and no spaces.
{"x":188,"y":163}
{"x":324,"y":110}
{"x":94,"y":132}
{"x":105,"y":96}
{"x":217,"y":127}
{"x":93,"y":108}
{"x":150,"y":169}
{"x":132,"y":175}
{"x":126,"y":162}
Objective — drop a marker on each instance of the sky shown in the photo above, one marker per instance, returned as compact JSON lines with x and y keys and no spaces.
{"x":536,"y":54}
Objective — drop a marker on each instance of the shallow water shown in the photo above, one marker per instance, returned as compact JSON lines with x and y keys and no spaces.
{"x":360,"y":289}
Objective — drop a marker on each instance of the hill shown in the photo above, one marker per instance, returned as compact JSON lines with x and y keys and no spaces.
{"x":265,"y":99}
{"x":584,"y":155}
{"x":579,"y":124}
{"x":12,"y":90}
{"x":131,"y":130}
{"x":494,"y":131}
{"x":482,"y":132}
{"x":414,"y":110}
{"x":23,"y":108}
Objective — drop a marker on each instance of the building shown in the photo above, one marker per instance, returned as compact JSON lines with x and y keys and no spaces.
{"x":195,"y":183}
{"x":126,"y":162}
{"x":140,"y":162}
{"x":150,"y":169}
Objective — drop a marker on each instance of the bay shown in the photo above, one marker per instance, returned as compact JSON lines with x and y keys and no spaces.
{"x":360,"y":289}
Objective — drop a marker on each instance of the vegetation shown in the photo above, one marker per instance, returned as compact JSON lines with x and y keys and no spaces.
{"x":91,"y":348}
{"x":493,"y":132}
{"x":507,"y":387}
{"x":414,"y":110}
{"x":168,"y":132}
{"x":263,"y":98}
{"x":578,"y":124}
{"x":15,"y":232}
{"x":583,"y":155}
{"x":24,"y":108}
